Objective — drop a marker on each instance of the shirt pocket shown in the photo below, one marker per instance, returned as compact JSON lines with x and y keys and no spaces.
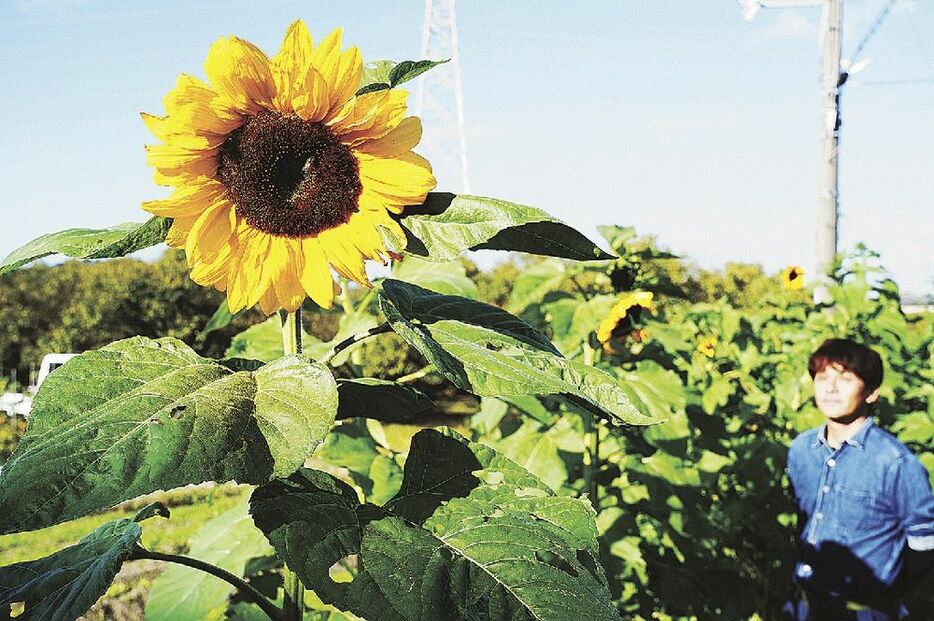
{"x":860,"y":511}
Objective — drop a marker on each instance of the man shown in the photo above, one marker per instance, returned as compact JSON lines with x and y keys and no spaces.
{"x":864,"y":500}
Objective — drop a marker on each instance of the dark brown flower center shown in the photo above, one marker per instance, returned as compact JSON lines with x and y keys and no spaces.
{"x":289,"y":177}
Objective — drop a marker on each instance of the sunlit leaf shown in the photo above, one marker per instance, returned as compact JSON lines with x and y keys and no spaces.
{"x":116,"y":241}
{"x":141,"y":415}
{"x":470,"y":535}
{"x":447,"y":225}
{"x":487,"y":351}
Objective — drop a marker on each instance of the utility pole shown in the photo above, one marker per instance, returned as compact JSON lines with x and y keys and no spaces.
{"x":827,"y":196}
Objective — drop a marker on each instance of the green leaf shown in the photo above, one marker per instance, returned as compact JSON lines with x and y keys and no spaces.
{"x":660,"y":394}
{"x":538,"y":449}
{"x":384,"y":400}
{"x":450,"y":278}
{"x":717,"y":394}
{"x":533,"y":284}
{"x":382,"y":74}
{"x":116,"y":241}
{"x":64,"y":585}
{"x":447,"y":225}
{"x":219,"y":320}
{"x":141,"y":415}
{"x":470,"y":535}
{"x":261,"y":341}
{"x":228,"y":541}
{"x":411,"y":69}
{"x":487,"y":351}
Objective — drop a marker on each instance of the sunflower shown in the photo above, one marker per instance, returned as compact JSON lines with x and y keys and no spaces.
{"x":706,"y":346}
{"x":623,"y":317}
{"x":793,"y":278}
{"x":282,"y":172}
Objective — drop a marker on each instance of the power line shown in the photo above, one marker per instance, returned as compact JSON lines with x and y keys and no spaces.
{"x":907,"y":81}
{"x":872,"y":29}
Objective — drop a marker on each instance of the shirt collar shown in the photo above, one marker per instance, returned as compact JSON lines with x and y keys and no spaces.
{"x":858,"y":440}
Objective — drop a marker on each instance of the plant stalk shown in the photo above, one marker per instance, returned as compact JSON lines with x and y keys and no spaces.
{"x":356,"y":338}
{"x":293,"y":608}
{"x":273,"y":612}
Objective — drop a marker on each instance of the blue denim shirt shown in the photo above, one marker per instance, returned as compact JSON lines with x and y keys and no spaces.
{"x":862,"y":503}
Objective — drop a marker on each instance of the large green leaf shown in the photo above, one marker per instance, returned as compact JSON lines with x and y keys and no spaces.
{"x":470,"y":535}
{"x":64,"y":585}
{"x":487,"y":351}
{"x":446,"y":225}
{"x":660,"y":394}
{"x":384,"y":400}
{"x":448,"y":277}
{"x":534,"y":283}
{"x":141,"y":415}
{"x":116,"y":241}
{"x":228,"y":541}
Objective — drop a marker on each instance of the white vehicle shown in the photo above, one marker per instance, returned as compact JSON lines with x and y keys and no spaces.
{"x":19,"y":404}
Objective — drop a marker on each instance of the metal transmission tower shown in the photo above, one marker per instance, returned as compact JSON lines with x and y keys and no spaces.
{"x":439,"y":98}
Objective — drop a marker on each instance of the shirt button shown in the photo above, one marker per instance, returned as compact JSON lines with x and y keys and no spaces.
{"x":825,"y":489}
{"x":831,"y":462}
{"x":804,"y":571}
{"x":819,"y":516}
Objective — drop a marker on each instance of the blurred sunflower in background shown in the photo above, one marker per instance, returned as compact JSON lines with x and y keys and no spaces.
{"x":624,"y":317}
{"x":793,"y":278}
{"x":281,"y":171}
{"x":707,"y":346}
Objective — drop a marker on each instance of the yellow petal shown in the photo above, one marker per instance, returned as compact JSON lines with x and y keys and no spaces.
{"x":398,"y":141}
{"x":347,"y":77}
{"x":291,"y":64}
{"x":171,"y":160}
{"x":214,"y":273}
{"x":166,"y":130}
{"x":342,"y":255}
{"x":178,"y":232}
{"x":383,"y":120}
{"x":326,"y":56}
{"x":288,"y":288}
{"x":211,"y":232}
{"x":315,"y":276}
{"x":239,"y":72}
{"x":195,"y":105}
{"x":366,"y":237}
{"x":190,"y":199}
{"x":311,"y":102}
{"x":244,"y":283}
{"x":268,"y":302}
{"x":407,"y":176}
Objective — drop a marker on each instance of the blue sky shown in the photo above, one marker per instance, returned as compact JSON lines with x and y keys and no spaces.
{"x":677,"y":117}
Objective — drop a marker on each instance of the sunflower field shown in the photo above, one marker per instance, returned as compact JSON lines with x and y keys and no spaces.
{"x":593,"y":445}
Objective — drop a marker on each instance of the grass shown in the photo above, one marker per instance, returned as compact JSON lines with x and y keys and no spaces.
{"x":190,"y":507}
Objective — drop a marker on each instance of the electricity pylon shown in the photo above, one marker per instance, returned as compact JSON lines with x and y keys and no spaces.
{"x":439,"y":100}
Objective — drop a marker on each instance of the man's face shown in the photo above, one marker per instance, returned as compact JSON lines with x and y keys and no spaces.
{"x":840,"y":393}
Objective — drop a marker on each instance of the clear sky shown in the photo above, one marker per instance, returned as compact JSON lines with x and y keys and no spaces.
{"x":674,"y":116}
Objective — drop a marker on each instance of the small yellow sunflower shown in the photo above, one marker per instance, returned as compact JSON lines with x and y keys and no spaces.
{"x":281,"y":172}
{"x":793,"y":278}
{"x":707,"y":346}
{"x":623,"y":316}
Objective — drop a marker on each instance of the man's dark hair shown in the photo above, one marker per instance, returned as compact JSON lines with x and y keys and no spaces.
{"x":853,"y":357}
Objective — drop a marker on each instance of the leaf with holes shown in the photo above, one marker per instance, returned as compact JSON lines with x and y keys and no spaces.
{"x":141,"y":415}
{"x":446,"y":225}
{"x":117,"y":241}
{"x":487,"y":351}
{"x":64,"y":585}
{"x":470,"y":534}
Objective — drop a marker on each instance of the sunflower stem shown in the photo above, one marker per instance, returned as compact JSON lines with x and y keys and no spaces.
{"x":291,"y":331}
{"x":293,"y":607}
{"x":356,"y":338}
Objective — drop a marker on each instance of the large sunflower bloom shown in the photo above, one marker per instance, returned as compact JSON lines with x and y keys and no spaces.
{"x":793,"y":278}
{"x":624,"y":315}
{"x":281,"y":172}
